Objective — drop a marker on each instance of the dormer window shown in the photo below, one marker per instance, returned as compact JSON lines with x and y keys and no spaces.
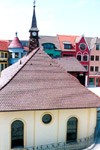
{"x":67,"y":45}
{"x":48,"y":46}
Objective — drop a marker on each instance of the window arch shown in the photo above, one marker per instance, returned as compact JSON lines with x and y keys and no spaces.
{"x":72,"y":129}
{"x":17,"y":134}
{"x":79,"y":57}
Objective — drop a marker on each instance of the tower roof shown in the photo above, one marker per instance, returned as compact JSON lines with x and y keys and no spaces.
{"x":15,"y":43}
{"x":34,"y":21}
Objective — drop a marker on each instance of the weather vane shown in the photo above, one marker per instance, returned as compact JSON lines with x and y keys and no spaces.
{"x":34,"y":2}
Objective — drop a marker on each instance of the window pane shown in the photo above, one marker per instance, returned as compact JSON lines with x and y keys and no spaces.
{"x":1,"y":67}
{"x":97,"y":58}
{"x":96,"y":68}
{"x":17,"y":132}
{"x":79,"y":57}
{"x":5,"y":65}
{"x":67,"y":46}
{"x":91,"y":81}
{"x":72,"y":130}
{"x":48,"y":46}
{"x":47,"y":118}
{"x":92,"y":58}
{"x":85,"y":58}
{"x":2,"y":55}
{"x":91,"y":68}
{"x":21,"y":55}
{"x":5,"y":55}
{"x":16,"y":55}
{"x":10,"y":54}
{"x":97,"y":47}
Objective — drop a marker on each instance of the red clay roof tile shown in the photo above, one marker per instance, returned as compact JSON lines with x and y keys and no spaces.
{"x":3,"y":45}
{"x":41,"y":84}
{"x":67,"y":38}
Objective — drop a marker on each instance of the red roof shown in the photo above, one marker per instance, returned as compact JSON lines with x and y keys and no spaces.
{"x":41,"y":84}
{"x":15,"y":43}
{"x":67,"y":38}
{"x":3,"y":45}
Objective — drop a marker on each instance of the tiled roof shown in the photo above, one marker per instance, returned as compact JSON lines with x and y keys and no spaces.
{"x":41,"y":84}
{"x":15,"y":43}
{"x":50,"y":39}
{"x":70,"y":64}
{"x":67,"y":38}
{"x":3,"y":45}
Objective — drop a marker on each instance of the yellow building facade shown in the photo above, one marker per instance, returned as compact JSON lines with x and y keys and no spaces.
{"x":3,"y":60}
{"x":36,"y":133}
{"x":3,"y":55}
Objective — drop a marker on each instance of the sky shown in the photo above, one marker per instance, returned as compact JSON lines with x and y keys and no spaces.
{"x":65,"y":17}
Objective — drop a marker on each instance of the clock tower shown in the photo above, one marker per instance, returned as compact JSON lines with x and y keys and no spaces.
{"x":33,"y":40}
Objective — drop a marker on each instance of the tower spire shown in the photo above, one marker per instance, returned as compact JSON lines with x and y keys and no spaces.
{"x":34,"y":39}
{"x":34,"y":21}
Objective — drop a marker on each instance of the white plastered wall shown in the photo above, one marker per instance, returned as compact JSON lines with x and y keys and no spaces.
{"x":37,"y":133}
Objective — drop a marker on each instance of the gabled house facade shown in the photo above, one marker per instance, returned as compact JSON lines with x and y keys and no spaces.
{"x":76,"y":46}
{"x":94,"y":75}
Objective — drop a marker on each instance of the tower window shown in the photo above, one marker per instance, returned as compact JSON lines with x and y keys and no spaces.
{"x":16,"y":55}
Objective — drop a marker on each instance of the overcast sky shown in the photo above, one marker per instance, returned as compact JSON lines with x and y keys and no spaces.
{"x":68,"y":17}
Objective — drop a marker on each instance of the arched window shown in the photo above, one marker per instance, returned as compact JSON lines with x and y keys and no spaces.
{"x":85,"y":58}
{"x":72,"y":130}
{"x":17,"y":134}
{"x":79,"y":57}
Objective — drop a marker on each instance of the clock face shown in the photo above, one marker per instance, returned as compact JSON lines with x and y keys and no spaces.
{"x":82,"y":46}
{"x":34,"y":33}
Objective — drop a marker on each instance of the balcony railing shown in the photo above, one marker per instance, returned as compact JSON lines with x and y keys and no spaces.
{"x":80,"y":144}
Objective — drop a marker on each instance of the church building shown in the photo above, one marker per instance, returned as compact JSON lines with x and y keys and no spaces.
{"x":42,"y":106}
